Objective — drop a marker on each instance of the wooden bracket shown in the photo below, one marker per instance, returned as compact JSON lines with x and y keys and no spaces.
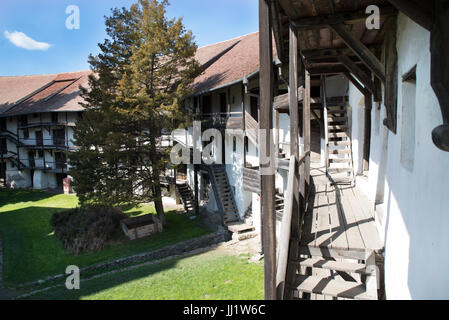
{"x":367,"y":57}
{"x":361,"y":75}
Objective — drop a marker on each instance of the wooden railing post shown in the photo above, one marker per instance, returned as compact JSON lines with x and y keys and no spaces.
{"x":306,"y":126}
{"x":286,"y":228}
{"x":294,"y":153}
{"x":267,"y":181}
{"x":326,"y":121}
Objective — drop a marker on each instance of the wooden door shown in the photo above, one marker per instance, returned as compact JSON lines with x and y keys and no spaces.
{"x":59,"y":137}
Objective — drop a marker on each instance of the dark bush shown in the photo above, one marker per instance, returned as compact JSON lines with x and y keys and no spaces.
{"x":86,"y":229}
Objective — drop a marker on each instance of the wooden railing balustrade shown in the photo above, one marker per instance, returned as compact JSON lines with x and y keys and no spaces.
{"x":285,"y":236}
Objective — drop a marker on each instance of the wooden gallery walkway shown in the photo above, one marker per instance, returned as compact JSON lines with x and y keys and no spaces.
{"x":338,"y":244}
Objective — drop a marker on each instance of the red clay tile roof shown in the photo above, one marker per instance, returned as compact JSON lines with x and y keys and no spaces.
{"x":235,"y":59}
{"x":224,"y":62}
{"x":56,"y":93}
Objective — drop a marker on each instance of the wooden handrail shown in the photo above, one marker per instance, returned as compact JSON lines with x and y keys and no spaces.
{"x":284,"y":237}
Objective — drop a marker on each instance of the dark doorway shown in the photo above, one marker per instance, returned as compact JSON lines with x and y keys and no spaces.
{"x":223,"y":103}
{"x":39,"y":138}
{"x":3,"y":146}
{"x":60,"y":179}
{"x":254,"y":108}
{"x":3,"y":172}
{"x":2,"y":124}
{"x":58,"y":137}
{"x":31,"y":159}
{"x":23,"y":121}
{"x":60,"y":159}
{"x":206,"y":107}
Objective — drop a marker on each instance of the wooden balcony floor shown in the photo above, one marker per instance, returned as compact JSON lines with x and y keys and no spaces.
{"x":339,"y":218}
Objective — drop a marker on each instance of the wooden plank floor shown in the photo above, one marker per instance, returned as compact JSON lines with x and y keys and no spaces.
{"x":339,"y":218}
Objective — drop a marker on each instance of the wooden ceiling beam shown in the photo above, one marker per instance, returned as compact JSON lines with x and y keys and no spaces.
{"x":360,"y":50}
{"x":338,"y":18}
{"x":423,"y":13}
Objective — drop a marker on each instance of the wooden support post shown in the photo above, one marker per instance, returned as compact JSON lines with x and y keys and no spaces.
{"x":326,"y":121}
{"x":294,"y":152}
{"x":243,"y":124}
{"x":367,"y":57}
{"x":195,"y":179}
{"x":228,"y":95}
{"x":306,"y":126}
{"x":367,"y":135}
{"x":267,"y":181}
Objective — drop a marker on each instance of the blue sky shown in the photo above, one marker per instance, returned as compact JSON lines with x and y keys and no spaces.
{"x":40,"y":23}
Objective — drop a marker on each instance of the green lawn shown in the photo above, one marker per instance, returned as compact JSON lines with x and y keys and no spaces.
{"x":212,"y":275}
{"x":32,"y":252}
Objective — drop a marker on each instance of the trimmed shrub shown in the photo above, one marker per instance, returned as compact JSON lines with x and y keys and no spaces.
{"x":87,"y":229}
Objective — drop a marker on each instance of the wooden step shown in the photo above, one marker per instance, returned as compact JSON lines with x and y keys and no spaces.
{"x":326,"y":252}
{"x":337,"y":119}
{"x":337,"y":111}
{"x":339,"y":143}
{"x":240,"y":227}
{"x":333,"y":288}
{"x":333,"y":265}
{"x":337,"y":135}
{"x":340,"y":151}
{"x":339,"y":160}
{"x":245,"y":236}
{"x":339,"y":170}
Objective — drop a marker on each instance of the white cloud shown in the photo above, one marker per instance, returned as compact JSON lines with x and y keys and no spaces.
{"x":21,"y":40}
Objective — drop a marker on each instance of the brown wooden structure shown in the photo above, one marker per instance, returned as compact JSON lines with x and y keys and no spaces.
{"x":316,"y":38}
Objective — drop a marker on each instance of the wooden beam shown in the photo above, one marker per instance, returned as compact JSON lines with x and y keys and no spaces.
{"x":306,"y":122}
{"x":357,"y":72}
{"x":422,"y":13}
{"x":439,"y":74}
{"x":360,"y":50}
{"x":338,"y":18}
{"x":357,"y":84}
{"x":267,"y":181}
{"x":277,"y":30}
{"x":294,"y":150}
{"x":367,"y":131}
{"x":391,"y":85}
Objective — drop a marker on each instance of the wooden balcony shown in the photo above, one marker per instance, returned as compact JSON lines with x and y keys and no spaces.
{"x":221,"y":121}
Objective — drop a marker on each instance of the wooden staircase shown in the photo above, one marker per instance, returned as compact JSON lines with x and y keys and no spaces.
{"x":187,"y":198}
{"x":333,"y":276}
{"x":339,"y":153}
{"x":227,"y":206}
{"x":337,"y":251}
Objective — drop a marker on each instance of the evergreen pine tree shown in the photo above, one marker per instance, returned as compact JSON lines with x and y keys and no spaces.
{"x":141,"y":76}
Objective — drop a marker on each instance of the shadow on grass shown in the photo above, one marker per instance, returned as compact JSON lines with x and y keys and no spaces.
{"x":31,"y":251}
{"x":9,"y":196}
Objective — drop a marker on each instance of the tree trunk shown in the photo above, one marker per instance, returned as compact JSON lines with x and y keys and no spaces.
{"x":157,"y":192}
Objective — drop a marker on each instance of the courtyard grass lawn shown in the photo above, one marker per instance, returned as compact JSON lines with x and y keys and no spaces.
{"x":213,"y":275}
{"x":32,"y":252}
